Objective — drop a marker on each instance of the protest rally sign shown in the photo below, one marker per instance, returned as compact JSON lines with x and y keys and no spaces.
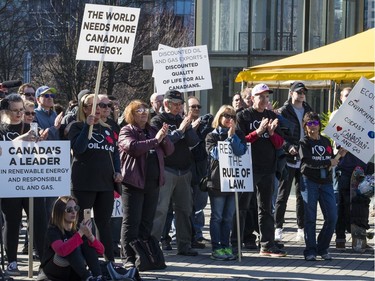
{"x":117,"y":206}
{"x":352,"y":126}
{"x":236,"y":172}
{"x":29,"y":169}
{"x":107,"y":33}
{"x":182,"y":69}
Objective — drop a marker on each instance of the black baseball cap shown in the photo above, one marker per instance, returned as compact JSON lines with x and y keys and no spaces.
{"x":296,"y":86}
{"x":174,"y":96}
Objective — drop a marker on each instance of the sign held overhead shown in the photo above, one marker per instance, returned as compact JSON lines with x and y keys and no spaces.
{"x":183,"y":69}
{"x":107,"y":33}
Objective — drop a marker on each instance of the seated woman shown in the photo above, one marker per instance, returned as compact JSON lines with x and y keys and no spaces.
{"x":68,"y":250}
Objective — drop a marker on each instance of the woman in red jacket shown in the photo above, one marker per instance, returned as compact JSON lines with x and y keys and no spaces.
{"x":68,"y":250}
{"x":142,"y":149}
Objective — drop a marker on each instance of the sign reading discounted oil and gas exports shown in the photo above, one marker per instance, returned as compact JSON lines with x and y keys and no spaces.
{"x":236,"y":172}
{"x":352,"y":126}
{"x":183,"y":69}
{"x":107,"y":33}
{"x":29,"y":169}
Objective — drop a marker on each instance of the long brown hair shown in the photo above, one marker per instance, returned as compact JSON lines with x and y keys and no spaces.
{"x":58,"y":212}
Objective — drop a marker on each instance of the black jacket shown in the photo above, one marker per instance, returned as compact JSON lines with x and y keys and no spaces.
{"x":180,"y":159}
{"x":288,"y":113}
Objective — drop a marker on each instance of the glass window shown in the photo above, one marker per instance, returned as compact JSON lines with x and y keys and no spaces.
{"x":277,"y":25}
{"x":229,"y":25}
{"x":318,"y":23}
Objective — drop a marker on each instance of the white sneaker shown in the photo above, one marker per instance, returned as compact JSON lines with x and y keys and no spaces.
{"x":300,"y":235}
{"x":279,"y":234}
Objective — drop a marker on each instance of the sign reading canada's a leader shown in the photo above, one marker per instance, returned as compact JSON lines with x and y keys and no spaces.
{"x":29,"y":169}
{"x":236,"y":172}
{"x":107,"y":33}
{"x":183,"y":69}
{"x":352,"y":126}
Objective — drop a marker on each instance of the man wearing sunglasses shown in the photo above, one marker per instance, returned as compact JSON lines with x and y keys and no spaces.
{"x":294,"y":109}
{"x":27,"y":92}
{"x":47,"y":118}
{"x":202,"y":125}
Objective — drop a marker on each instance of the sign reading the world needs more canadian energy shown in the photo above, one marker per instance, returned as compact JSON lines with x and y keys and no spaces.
{"x":107,"y":33}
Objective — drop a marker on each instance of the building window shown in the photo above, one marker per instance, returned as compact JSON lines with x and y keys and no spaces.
{"x":229,"y":25}
{"x":277,"y":25}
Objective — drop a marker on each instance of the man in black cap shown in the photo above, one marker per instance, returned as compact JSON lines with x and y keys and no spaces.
{"x":294,"y":109}
{"x":177,"y":172}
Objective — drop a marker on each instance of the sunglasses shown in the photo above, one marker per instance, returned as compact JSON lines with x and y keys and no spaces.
{"x":301,"y":92}
{"x":17,"y":111}
{"x":90,"y":105}
{"x":228,"y":116}
{"x":142,"y":110}
{"x":29,"y":94}
{"x":105,"y":105}
{"x":28,"y":113}
{"x":312,"y":123}
{"x":197,"y":106}
{"x":48,"y":96}
{"x":72,"y":209}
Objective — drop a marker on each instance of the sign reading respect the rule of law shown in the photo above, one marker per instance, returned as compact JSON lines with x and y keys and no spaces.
{"x":107,"y":33}
{"x":29,"y":169}
{"x":236,"y":172}
{"x":183,"y":69}
{"x":352,"y":126}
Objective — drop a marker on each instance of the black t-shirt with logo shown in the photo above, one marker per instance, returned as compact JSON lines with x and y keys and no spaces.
{"x":92,"y":166}
{"x":263,"y":151}
{"x":316,"y":158}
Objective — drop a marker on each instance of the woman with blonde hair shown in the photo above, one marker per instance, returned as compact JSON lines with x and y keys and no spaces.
{"x":95,"y":168}
{"x":222,"y":203}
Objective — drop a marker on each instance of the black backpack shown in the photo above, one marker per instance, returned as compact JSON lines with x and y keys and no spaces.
{"x":149,"y":256}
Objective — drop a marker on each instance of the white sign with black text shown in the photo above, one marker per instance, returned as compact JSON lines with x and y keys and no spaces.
{"x":107,"y":33}
{"x":352,"y":126}
{"x":236,"y":172}
{"x":182,"y":69}
{"x":29,"y":169}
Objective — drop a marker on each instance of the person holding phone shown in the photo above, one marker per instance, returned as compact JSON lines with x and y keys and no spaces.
{"x":12,"y":127}
{"x":69,"y":248}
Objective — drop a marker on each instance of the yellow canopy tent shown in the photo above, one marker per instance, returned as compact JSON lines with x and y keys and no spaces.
{"x":344,"y":60}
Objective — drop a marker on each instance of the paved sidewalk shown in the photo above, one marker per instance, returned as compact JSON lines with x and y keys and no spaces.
{"x":346,"y":265}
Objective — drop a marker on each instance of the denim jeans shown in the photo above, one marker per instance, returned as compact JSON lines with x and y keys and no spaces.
{"x":197,"y":216}
{"x":222,"y":211}
{"x":312,"y":193}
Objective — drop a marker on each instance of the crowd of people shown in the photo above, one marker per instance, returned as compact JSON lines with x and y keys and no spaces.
{"x":158,"y":153}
